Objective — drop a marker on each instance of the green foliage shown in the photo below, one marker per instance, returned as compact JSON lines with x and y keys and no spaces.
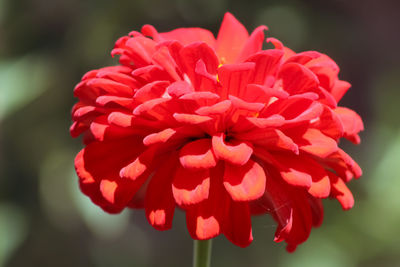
{"x":21,"y":81}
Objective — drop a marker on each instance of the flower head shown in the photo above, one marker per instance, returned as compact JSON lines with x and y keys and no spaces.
{"x":218,"y":128}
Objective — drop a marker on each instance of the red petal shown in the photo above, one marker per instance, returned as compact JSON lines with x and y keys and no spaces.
{"x":190,"y":35}
{"x":200,"y":96}
{"x":305,"y":172}
{"x":236,"y":154}
{"x":191,"y":54}
{"x":178,"y":89}
{"x":190,"y":187}
{"x":204,"y":220}
{"x":111,"y":87}
{"x":114,"y":101}
{"x":297,"y":78}
{"x":339,"y":89}
{"x":139,"y":166}
{"x":329,"y":123}
{"x":277,"y":200}
{"x":273,"y":121}
{"x":191,"y":118}
{"x":267,"y":63}
{"x":205,"y":80}
{"x":108,"y":189}
{"x":86,"y":113}
{"x":325,"y":97}
{"x":163,"y":58}
{"x":326,"y":69}
{"x":201,"y":222}
{"x":231,"y":39}
{"x":278,"y":45}
{"x":314,"y":142}
{"x":118,"y":74}
{"x":295,"y":109}
{"x":253,"y":44}
{"x":120,"y":119}
{"x":296,"y":177}
{"x":160,"y":137}
{"x":237,"y":223}
{"x":341,"y":192}
{"x":244,"y":183}
{"x":302,"y":223}
{"x":198,"y":155}
{"x":216,"y":109}
{"x":317,"y":210}
{"x":101,"y":130}
{"x":320,"y":187}
{"x":149,"y":106}
{"x":234,"y":78}
{"x":159,"y":201}
{"x":304,"y":57}
{"x":312,"y":112}
{"x":151,"y":90}
{"x":351,"y":164}
{"x":150,"y":74}
{"x":243,"y":105}
{"x":138,"y":49}
{"x":202,"y":228}
{"x":77,"y":128}
{"x":343,"y":165}
{"x":99,"y":173}
{"x":294,"y":170}
{"x":270,"y":138}
{"x":352,"y":123}
{"x":262,"y":94}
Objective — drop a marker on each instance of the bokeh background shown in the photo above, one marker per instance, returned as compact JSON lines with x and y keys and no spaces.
{"x":47,"y":45}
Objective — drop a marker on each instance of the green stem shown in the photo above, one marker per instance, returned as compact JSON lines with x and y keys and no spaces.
{"x":202,"y":253}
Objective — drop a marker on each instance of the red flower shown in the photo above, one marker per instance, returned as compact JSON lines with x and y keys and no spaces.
{"x":217,"y":127}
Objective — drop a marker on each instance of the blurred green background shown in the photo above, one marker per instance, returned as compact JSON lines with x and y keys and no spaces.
{"x":46,"y":46}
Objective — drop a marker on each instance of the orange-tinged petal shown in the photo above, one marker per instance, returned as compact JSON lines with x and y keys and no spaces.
{"x":320,"y":187}
{"x":139,"y":166}
{"x":236,"y":154}
{"x":244,"y":183}
{"x":108,"y":189}
{"x":297,"y":178}
{"x":190,"y":187}
{"x":160,"y":137}
{"x":198,"y":155}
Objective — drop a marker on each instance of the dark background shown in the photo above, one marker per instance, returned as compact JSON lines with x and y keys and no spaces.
{"x":45,"y":48}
